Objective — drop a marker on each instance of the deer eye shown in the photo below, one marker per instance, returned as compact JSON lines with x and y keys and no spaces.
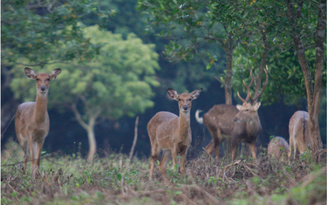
{"x":48,"y":79}
{"x":37,"y":79}
{"x":179,"y":99}
{"x":246,"y":110}
{"x":189,"y":99}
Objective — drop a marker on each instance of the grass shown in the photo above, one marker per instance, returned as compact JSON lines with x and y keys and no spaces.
{"x":111,"y":179}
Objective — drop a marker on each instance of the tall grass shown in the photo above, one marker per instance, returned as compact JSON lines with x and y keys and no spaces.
{"x":68,"y":179}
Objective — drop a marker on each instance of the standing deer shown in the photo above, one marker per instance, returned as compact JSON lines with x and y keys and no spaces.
{"x":32,"y":120}
{"x":171,"y":133}
{"x":299,"y":138}
{"x":278,"y":148}
{"x":240,"y":123}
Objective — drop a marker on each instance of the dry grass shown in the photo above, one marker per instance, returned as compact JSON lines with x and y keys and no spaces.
{"x":113,"y":180}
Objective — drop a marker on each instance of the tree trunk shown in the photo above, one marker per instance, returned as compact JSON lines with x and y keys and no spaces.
{"x":263,"y":62}
{"x":92,"y":143}
{"x":316,"y":143}
{"x":227,"y":80}
{"x":89,"y":127}
{"x":313,"y":95}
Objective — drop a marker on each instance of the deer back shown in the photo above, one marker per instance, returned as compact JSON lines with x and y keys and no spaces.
{"x":299,"y":130}
{"x":221,"y":117}
{"x":162,"y":128}
{"x":278,"y":148}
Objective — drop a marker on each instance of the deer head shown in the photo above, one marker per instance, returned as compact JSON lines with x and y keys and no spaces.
{"x":42,"y":79}
{"x":184,"y":99}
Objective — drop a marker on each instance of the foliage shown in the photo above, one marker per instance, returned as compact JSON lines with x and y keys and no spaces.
{"x":116,"y":83}
{"x":38,"y":29}
{"x":286,"y":77}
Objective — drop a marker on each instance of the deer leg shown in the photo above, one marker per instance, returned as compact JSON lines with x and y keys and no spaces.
{"x":155,"y":151}
{"x":39,"y":146}
{"x":30,"y":144}
{"x":35,"y":167}
{"x":217,"y":141}
{"x":235,"y":142}
{"x":162,"y":164}
{"x":228,"y":146}
{"x":174,"y":156}
{"x":183,"y":160}
{"x":252,"y":146}
{"x":24,"y":145}
{"x":209,"y":148}
{"x":291,"y":145}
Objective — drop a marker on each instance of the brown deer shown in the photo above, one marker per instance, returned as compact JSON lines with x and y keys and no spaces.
{"x":32,"y":120}
{"x":299,"y":138}
{"x":240,"y":123}
{"x":171,"y":133}
{"x":278,"y":148}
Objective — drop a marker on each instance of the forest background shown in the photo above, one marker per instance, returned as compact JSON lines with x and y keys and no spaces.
{"x":117,"y":65}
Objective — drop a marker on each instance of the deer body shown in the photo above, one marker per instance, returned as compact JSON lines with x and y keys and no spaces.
{"x":32,"y":119}
{"x":299,"y":138}
{"x":278,"y":148}
{"x":171,"y":133}
{"x":219,"y":120}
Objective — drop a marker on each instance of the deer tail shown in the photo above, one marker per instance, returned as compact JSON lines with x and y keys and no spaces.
{"x":199,"y":119}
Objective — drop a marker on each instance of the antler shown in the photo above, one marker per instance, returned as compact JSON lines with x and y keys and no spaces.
{"x":248,"y":89}
{"x":263,"y":85}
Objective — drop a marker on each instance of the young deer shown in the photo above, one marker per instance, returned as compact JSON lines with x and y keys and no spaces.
{"x":240,"y":123}
{"x":299,"y":138}
{"x":278,"y":148}
{"x":32,"y":120}
{"x":171,"y":133}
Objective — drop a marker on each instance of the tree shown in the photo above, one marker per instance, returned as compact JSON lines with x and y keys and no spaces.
{"x":36,"y":29}
{"x":116,"y":83}
{"x":295,"y":12}
{"x":195,"y":26}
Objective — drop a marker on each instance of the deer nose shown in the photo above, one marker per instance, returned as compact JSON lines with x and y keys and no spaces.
{"x":185,"y":107}
{"x":43,"y":88}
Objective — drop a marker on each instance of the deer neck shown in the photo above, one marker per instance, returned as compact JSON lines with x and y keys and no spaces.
{"x":184,"y":124}
{"x":40,"y":109}
{"x":254,"y":126}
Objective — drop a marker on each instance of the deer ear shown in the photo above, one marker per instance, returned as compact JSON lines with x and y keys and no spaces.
{"x":238,"y":107}
{"x":194,"y":94}
{"x":54,"y":73}
{"x":172,"y":94}
{"x":257,"y":105}
{"x":30,"y":73}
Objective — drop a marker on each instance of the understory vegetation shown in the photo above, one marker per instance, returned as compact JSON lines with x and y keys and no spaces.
{"x":113,"y":179}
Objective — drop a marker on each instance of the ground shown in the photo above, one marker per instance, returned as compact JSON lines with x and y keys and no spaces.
{"x":112,"y":179}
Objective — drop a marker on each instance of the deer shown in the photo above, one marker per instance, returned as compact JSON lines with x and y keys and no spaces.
{"x":32,"y":119}
{"x":171,"y":133}
{"x":240,"y":123}
{"x":299,"y":137}
{"x":278,"y":148}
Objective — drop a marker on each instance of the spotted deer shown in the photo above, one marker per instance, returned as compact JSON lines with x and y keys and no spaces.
{"x":171,"y":133}
{"x":278,"y":148}
{"x":32,"y":120}
{"x":239,"y":123}
{"x":299,"y":138}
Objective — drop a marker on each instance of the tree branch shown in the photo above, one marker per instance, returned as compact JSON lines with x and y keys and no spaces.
{"x":78,"y":117}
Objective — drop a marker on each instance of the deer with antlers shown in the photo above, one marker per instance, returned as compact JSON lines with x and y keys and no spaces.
{"x":239,"y":123}
{"x":171,"y":133}
{"x":32,"y":119}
